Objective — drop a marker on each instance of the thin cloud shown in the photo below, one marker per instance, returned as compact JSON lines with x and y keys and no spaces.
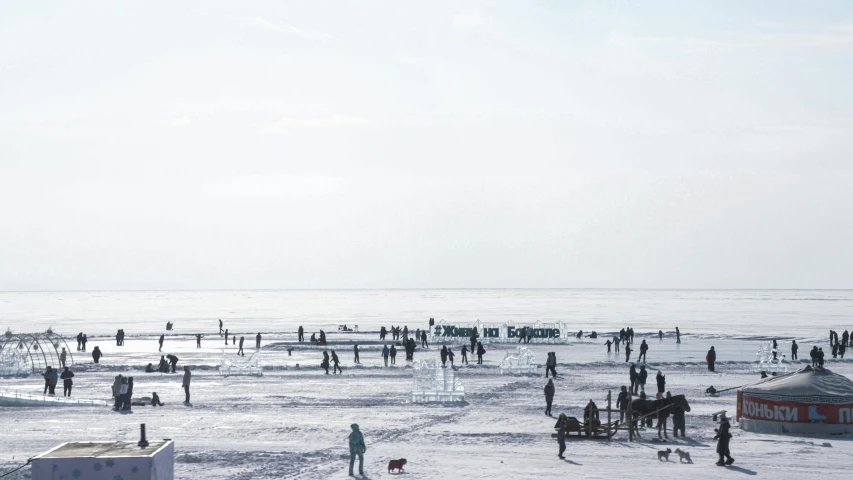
{"x":466,"y":20}
{"x":275,"y":186}
{"x":181,"y":121}
{"x":285,"y":125}
{"x":264,"y":24}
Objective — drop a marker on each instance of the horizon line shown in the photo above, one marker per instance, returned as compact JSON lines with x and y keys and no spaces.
{"x":614,"y":289}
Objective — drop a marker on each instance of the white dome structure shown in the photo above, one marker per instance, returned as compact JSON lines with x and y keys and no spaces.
{"x":809,"y":401}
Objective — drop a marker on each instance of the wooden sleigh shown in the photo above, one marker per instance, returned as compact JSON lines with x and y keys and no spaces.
{"x":585,"y":431}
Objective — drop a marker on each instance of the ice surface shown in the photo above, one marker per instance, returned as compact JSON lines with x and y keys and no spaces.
{"x":233,"y":365}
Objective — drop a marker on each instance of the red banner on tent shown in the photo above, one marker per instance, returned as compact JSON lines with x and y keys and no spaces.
{"x":802,"y":412}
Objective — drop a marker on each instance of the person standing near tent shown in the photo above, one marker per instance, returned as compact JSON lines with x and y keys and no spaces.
{"x":393,"y":355}
{"x":258,"y":341}
{"x":711,"y":358}
{"x":96,"y":354}
{"x":355,"y":354}
{"x":644,"y":347}
{"x":240,"y":350}
{"x":794,"y":348}
{"x":162,"y":337}
{"x":480,"y":352}
{"x":186,"y":384}
{"x":66,"y":382}
{"x":723,"y":437}
{"x":301,"y":334}
{"x":464,"y":354}
{"x":549,"y":396}
{"x":357,"y":448}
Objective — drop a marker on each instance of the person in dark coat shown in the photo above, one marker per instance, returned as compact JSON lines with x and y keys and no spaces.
{"x":845,"y":337}
{"x":443,"y":355}
{"x":813,"y":355}
{"x":549,"y":396}
{"x":220,"y":326}
{"x":608,"y":343}
{"x":234,"y":339}
{"x":96,"y":354}
{"x":678,"y":422}
{"x":628,"y":352}
{"x":301,"y":334}
{"x":642,"y":376}
{"x":226,"y":337}
{"x":155,"y":400}
{"x":464,"y":354}
{"x":325,"y":363}
{"x":712,"y":358}
{"x":382,"y":333}
{"x":794,"y":348}
{"x":723,"y":437}
{"x":644,"y":347}
{"x":551,"y":365}
{"x":258,"y":341}
{"x":240,"y":350}
{"x":122,"y":394}
{"x":424,"y":343}
{"x":173,"y":361}
{"x":48,"y":378}
{"x":67,"y":382}
{"x":661,"y":381}
{"x":677,"y":335}
{"x":480,"y":352}
{"x":633,"y":376}
{"x":80,"y":341}
{"x":355,"y":354}
{"x":842,"y":347}
{"x":834,"y":350}
{"x":129,"y":395}
{"x":85,"y":341}
{"x":393,"y":353}
{"x":522,"y":334}
{"x":198,"y":338}
{"x":162,"y":337}
{"x":185,"y":384}
{"x":336,"y":361}
{"x":622,"y":403}
{"x":561,"y":440}
{"x":163,"y":366}
{"x":820,"y":357}
{"x":385,"y":353}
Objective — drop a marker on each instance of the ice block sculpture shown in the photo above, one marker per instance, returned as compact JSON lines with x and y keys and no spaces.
{"x":766,"y":363}
{"x":250,"y":367}
{"x":518,"y":363}
{"x":434,"y":383}
{"x":13,"y":363}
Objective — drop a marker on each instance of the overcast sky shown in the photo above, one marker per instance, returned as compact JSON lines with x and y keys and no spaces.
{"x":371,"y":144}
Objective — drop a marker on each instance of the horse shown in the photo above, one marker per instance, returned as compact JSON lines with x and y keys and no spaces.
{"x":660,"y":408}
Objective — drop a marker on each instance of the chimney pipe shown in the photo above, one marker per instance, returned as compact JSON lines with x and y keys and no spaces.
{"x":142,"y":441}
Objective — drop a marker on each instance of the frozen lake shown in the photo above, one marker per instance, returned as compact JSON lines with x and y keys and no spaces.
{"x":293,"y":422}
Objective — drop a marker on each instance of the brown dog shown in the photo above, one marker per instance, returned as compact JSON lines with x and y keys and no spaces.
{"x":396,"y":464}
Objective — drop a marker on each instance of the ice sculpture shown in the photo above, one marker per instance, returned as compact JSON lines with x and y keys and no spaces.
{"x":434,"y":383}
{"x":250,"y":367}
{"x":766,"y":362}
{"x":14,"y":363}
{"x":520,"y":362}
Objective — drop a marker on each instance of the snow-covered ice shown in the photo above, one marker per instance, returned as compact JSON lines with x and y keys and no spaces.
{"x":293,"y":422}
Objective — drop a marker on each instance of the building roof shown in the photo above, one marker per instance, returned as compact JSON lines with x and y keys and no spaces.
{"x":104,"y":449}
{"x":806,"y":382}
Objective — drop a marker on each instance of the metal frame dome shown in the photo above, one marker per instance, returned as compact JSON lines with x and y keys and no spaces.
{"x":41,"y":349}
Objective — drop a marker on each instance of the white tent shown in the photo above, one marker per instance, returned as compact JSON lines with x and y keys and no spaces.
{"x":811,"y":400}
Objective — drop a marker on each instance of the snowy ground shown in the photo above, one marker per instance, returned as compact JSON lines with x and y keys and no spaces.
{"x":293,"y":422}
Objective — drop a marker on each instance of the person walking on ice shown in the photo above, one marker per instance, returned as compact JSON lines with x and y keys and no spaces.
{"x":549,"y":397}
{"x":67,"y":382}
{"x":385,"y":353}
{"x":723,"y":437}
{"x":220,"y":326}
{"x":355,"y":354}
{"x":336,"y":362}
{"x":258,"y":341}
{"x":62,"y":357}
{"x":240,"y":350}
{"x":357,"y":448}
{"x":464,"y":354}
{"x":551,"y":365}
{"x":162,"y":337}
{"x":424,"y":343}
{"x":480,"y":352}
